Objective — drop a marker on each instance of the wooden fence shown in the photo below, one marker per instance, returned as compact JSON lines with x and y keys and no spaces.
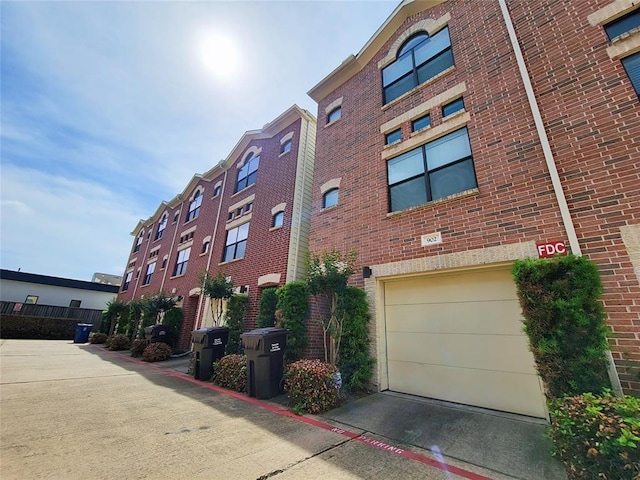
{"x":82,"y":315}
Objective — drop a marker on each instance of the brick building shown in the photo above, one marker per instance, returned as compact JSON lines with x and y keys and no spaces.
{"x":247,"y":217}
{"x":462,"y":134}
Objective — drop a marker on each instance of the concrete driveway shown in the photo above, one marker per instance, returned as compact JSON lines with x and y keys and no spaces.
{"x":72,"y":411}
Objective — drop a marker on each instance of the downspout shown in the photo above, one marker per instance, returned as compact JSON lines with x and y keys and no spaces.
{"x":199,"y":312}
{"x":551,"y":165}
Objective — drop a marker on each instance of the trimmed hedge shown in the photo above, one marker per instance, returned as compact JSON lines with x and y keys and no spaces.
{"x":231,"y":372}
{"x":37,"y":328}
{"x":156,"y":352}
{"x":312,"y":386}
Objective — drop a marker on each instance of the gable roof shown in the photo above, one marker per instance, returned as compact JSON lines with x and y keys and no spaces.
{"x":354,"y":63}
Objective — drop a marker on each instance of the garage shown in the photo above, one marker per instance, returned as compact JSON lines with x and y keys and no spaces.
{"x":458,"y":337}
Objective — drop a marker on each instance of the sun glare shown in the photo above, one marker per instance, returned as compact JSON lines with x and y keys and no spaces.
{"x":219,"y":55}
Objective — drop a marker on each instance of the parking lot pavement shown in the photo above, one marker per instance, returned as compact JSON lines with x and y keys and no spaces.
{"x":72,"y":411}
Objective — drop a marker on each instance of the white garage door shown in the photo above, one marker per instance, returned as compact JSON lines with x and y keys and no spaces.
{"x":458,"y":337}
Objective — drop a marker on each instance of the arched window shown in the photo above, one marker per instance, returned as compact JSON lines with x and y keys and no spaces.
{"x":419,"y":59}
{"x":278,"y":220}
{"x":330,"y":198}
{"x":334,"y":114}
{"x":194,"y":206}
{"x":161,"y":226}
{"x":248,"y":173}
{"x":286,"y":146}
{"x":139,"y":241}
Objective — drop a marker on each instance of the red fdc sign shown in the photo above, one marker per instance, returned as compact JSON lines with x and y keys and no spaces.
{"x":549,"y":249}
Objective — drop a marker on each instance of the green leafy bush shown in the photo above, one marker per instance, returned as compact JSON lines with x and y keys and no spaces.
{"x":312,"y":386}
{"x":267,"y":307}
{"x":237,"y":307}
{"x":156,"y":352}
{"x":565,"y":323}
{"x":231,"y":372}
{"x":597,"y":436}
{"x":173,"y":321}
{"x":292,"y":313}
{"x":119,"y":342}
{"x":354,"y":360}
{"x":37,"y":328}
{"x":97,"y":337}
{"x":138,"y":346}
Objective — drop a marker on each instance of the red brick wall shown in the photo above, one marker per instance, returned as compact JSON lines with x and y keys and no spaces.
{"x":592,"y":117}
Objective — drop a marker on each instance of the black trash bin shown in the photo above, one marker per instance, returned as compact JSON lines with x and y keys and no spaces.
{"x":156,"y":333}
{"x":208,"y":347}
{"x":82,"y":332}
{"x":265,"y":348}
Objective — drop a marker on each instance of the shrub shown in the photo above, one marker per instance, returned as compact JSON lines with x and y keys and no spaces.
{"x":311,"y":386}
{"x":119,"y":342}
{"x":138,"y":346}
{"x":293,"y":309}
{"x":97,"y":337}
{"x":156,"y":352}
{"x":231,"y":372}
{"x":354,"y":359}
{"x":37,"y":328}
{"x":597,"y":436}
{"x":267,"y":308}
{"x":236,"y":310}
{"x":565,"y":323}
{"x":173,"y":321}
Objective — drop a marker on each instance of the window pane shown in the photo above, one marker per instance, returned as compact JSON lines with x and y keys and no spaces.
{"x":253,"y":164}
{"x":228,"y":253}
{"x":243,"y":232}
{"x":447,"y":149}
{"x":632,"y":66}
{"x":277,"y":219}
{"x":623,"y":24}
{"x":412,"y":42}
{"x":251,"y":179}
{"x":439,"y":42}
{"x":420,"y":123}
{"x":453,"y":107}
{"x":453,"y":179}
{"x":393,"y":136}
{"x":330,"y":198}
{"x":405,"y":166}
{"x":408,"y":194}
{"x":240,"y":249}
{"x":400,"y":87}
{"x":397,"y":69}
{"x":334,"y":115}
{"x":232,"y":236}
{"x":435,"y":66}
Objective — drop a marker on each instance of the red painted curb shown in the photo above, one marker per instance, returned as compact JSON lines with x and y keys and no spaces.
{"x":440,"y":463}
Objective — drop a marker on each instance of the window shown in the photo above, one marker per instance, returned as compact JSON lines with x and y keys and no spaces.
{"x":205,"y":247}
{"x":164,"y":262}
{"x":286,"y":147}
{"x":75,"y":303}
{"x":419,"y":59}
{"x":139,"y":241}
{"x":453,"y":107}
{"x":231,"y":216}
{"x":176,"y":217}
{"x":147,"y":277}
{"x":127,"y":281}
{"x":248,"y":173}
{"x":248,"y":207}
{"x":181,"y":263}
{"x":432,"y":171}
{"x":334,"y":114}
{"x":393,"y":137}
{"x":236,"y":243}
{"x":194,"y":206}
{"x":632,"y":66}
{"x":420,"y":123}
{"x":217,"y":190}
{"x":31,"y":299}
{"x":623,"y":24}
{"x":278,"y":219}
{"x":330,"y":198}
{"x":161,"y":226}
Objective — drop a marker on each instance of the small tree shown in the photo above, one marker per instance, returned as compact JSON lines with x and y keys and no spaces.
{"x":327,"y":276}
{"x":217,"y":288}
{"x":267,"y":307}
{"x":135,"y":315}
{"x":173,"y":321}
{"x":156,"y":307}
{"x":234,"y":318}
{"x":116,"y":312}
{"x":292,"y":311}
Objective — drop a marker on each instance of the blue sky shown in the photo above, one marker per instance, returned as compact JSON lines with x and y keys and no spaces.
{"x":109,"y":108}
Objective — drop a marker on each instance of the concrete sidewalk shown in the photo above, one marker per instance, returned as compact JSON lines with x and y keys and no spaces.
{"x":79,"y":411}
{"x":507,"y":444}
